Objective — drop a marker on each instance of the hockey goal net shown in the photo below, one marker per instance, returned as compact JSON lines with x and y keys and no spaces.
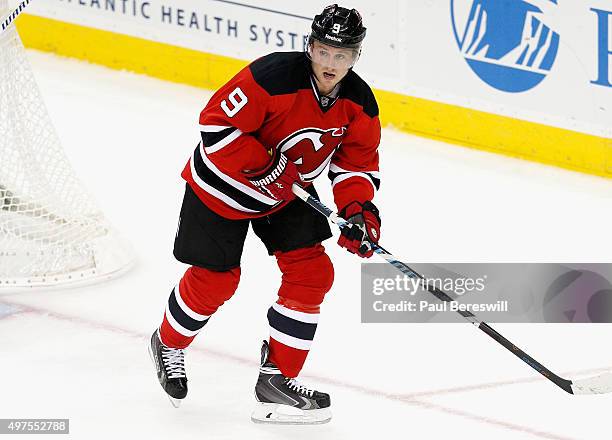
{"x":51,"y":231}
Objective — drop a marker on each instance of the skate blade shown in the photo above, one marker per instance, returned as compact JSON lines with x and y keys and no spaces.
{"x":175,"y":402}
{"x":274,"y":413}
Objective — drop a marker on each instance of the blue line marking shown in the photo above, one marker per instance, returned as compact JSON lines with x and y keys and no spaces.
{"x":6,"y":310}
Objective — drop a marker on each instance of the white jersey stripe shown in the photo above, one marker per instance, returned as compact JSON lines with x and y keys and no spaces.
{"x":336,"y":169}
{"x":242,"y":187}
{"x":214,"y":192}
{"x":346,"y":176}
{"x":213,"y":128}
{"x":223,"y":142}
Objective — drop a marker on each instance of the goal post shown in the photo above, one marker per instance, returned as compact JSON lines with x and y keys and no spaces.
{"x":51,"y":231}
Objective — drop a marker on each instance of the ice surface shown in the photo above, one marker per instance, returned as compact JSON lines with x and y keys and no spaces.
{"x":81,"y":354}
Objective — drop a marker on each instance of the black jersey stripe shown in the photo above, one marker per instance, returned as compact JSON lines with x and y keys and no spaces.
{"x":209,"y":139}
{"x":290,"y":326}
{"x":212,"y":179}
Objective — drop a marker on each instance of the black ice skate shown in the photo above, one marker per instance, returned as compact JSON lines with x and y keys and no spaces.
{"x":283,"y":400}
{"x":170,"y":366}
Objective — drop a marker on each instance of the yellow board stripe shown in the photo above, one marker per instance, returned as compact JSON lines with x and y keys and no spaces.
{"x":499,"y":134}
{"x":124,"y":52}
{"x":485,"y":131}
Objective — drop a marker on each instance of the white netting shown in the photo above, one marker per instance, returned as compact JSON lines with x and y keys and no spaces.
{"x":51,"y":231}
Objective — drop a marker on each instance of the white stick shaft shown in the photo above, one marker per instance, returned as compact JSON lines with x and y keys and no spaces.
{"x":300,"y":192}
{"x":332,"y":216}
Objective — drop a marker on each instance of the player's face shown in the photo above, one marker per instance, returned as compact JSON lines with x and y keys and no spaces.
{"x":330,"y":64}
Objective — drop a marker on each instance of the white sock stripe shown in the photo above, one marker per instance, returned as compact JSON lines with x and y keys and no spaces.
{"x":178,"y":327}
{"x":290,"y":341}
{"x":310,"y":318}
{"x":185,"y":308}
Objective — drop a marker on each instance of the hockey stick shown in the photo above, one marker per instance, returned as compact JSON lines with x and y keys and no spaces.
{"x":13,"y":15}
{"x":594,"y":385}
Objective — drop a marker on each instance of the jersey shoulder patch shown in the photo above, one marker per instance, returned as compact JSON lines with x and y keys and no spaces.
{"x":357,"y":90}
{"x":281,"y":73}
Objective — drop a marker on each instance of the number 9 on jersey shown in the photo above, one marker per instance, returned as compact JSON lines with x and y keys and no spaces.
{"x":237,"y":99}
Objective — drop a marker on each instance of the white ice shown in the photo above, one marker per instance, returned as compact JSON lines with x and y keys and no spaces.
{"x":81,"y":354}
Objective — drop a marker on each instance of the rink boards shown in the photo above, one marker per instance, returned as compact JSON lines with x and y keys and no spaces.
{"x":435,"y":66}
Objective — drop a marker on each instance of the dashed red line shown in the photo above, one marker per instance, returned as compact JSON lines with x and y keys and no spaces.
{"x":413,"y":399}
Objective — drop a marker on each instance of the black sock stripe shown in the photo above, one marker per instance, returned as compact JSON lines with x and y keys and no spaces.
{"x":181,"y":317}
{"x":290,"y":326}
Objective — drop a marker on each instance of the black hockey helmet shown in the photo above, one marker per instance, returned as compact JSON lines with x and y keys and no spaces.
{"x":338,"y":27}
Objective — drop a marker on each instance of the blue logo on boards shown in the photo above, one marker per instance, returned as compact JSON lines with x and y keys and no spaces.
{"x":507,"y":43}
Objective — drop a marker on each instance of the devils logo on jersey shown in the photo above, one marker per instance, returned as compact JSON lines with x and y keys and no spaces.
{"x":311,"y":149}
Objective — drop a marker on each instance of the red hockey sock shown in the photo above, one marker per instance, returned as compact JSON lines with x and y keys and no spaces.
{"x":307,"y":276}
{"x":197,"y":296}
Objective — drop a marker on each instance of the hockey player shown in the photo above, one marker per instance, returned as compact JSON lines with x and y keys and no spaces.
{"x":284,"y":119}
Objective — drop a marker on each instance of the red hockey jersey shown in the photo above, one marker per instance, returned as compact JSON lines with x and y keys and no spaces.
{"x":274,"y":103}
